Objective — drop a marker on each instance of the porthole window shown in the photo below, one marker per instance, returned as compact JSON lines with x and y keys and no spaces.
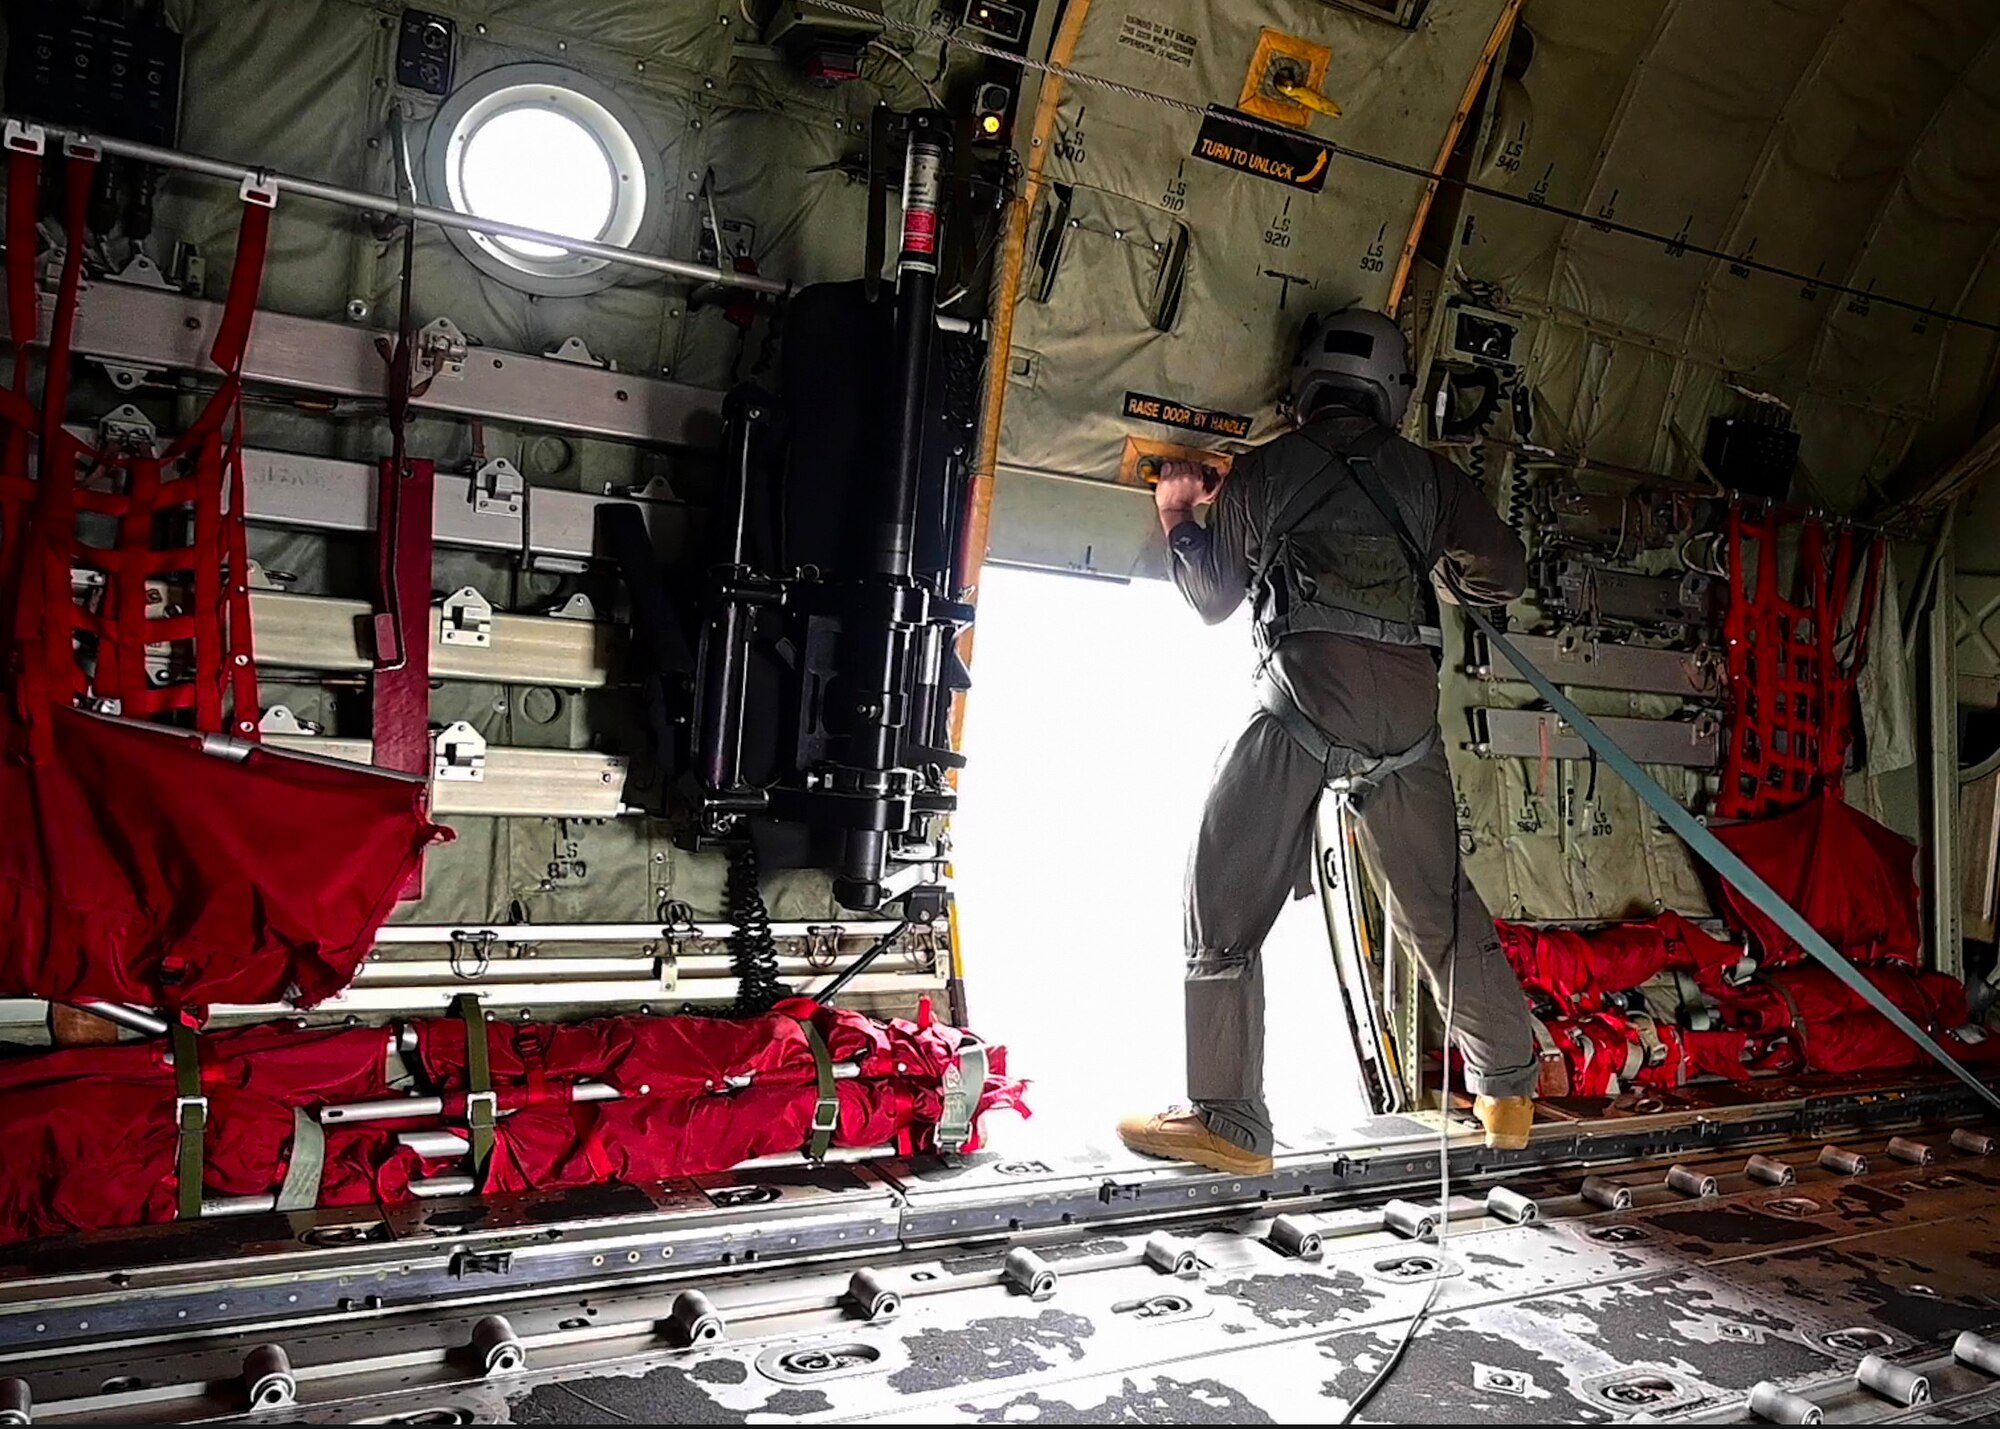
{"x":543,"y":147}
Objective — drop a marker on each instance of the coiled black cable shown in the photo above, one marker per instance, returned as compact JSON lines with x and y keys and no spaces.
{"x":753,"y":951}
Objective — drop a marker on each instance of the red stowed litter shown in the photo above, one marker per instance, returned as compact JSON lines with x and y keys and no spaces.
{"x":1608,"y":1052}
{"x":1577,"y":970}
{"x":1852,"y":879}
{"x":1829,"y":1028}
{"x":90,"y":1131}
{"x":700,"y":1095}
{"x":92,"y":1140}
{"x":139,"y":867}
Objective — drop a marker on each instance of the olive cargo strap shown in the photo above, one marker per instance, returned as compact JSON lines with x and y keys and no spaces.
{"x":190,"y":1119}
{"x":480,"y":1103}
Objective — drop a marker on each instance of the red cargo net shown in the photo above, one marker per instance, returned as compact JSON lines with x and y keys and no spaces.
{"x":126,"y":580}
{"x":1791,"y":684}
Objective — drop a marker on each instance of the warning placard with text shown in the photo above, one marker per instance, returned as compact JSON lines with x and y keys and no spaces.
{"x":1252,"y":147}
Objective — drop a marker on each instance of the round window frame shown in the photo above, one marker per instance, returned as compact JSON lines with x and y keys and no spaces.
{"x":635,"y":163}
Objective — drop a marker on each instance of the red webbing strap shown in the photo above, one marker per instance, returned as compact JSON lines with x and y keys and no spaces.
{"x":44,"y":621}
{"x":400,"y":693}
{"x":242,"y":668}
{"x":17,"y":492}
{"x":24,"y":302}
{"x":121,"y":658}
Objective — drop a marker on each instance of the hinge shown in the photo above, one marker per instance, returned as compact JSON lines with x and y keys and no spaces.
{"x":466,"y":618}
{"x":441,"y":349}
{"x":127,"y":428}
{"x":498,"y":489}
{"x":458,"y":754}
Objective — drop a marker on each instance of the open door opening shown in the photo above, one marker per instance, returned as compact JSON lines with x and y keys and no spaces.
{"x":1101,"y":709}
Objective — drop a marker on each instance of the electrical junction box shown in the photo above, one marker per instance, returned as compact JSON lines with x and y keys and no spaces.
{"x":826,"y":44}
{"x":1482,"y":337}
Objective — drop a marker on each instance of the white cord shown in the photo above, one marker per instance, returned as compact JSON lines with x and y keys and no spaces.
{"x":1381,"y":1378}
{"x":904,"y":60}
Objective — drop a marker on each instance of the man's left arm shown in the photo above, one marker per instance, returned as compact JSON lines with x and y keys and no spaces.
{"x":1477,"y":548}
{"x":1212,"y":562}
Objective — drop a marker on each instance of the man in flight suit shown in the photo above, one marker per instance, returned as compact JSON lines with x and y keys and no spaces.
{"x":1348,"y":695}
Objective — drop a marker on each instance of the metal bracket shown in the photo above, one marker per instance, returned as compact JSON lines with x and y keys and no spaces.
{"x":498,"y":489}
{"x":466,"y":618}
{"x":822,"y":948}
{"x":280,"y":719}
{"x":575,"y":349}
{"x":189,"y":268}
{"x":259,"y":189}
{"x":25,"y":138}
{"x":141,"y":272}
{"x":124,"y":376}
{"x":921,"y":946}
{"x":458,"y":754}
{"x":472,"y":949}
{"x":127,"y":427}
{"x":655,"y":488}
{"x":260,"y":579}
{"x":480,"y":1262}
{"x":577,"y":607}
{"x":441,"y":349}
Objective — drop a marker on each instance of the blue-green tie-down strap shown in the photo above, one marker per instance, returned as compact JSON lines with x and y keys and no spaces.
{"x":1711,"y":849}
{"x":1723,"y":859}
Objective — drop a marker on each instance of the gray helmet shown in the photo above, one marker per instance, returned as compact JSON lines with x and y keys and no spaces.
{"x":1353,"y":353}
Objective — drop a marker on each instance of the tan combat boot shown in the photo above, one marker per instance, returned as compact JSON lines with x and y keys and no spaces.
{"x":1507,"y":1120}
{"x":1181,"y":1135}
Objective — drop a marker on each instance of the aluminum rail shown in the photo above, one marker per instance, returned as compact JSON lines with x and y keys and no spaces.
{"x":20,"y":130}
{"x":20,"y":134}
{"x":446,"y":933}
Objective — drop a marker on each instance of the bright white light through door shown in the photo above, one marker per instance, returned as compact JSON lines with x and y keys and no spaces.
{"x":1096,"y":718}
{"x":539,"y":168}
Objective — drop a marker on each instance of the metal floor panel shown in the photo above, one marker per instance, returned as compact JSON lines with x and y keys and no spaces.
{"x":1676,"y":1315}
{"x":1678,"y":1303}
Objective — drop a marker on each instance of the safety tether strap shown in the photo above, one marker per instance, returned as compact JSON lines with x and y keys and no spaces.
{"x":1712,"y":850}
{"x":826,"y":1111}
{"x":480,"y":1101}
{"x":302,"y":1177}
{"x":190,"y":1119}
